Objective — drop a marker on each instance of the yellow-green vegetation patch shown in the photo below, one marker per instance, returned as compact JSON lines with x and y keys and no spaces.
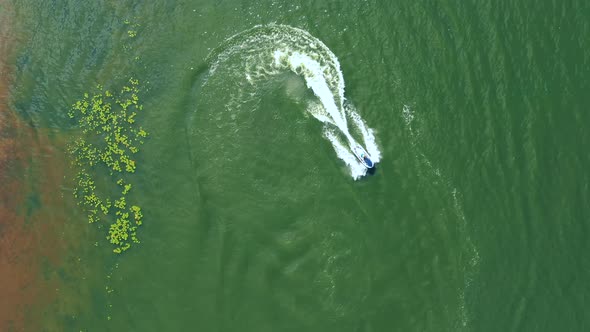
{"x":108,"y":144}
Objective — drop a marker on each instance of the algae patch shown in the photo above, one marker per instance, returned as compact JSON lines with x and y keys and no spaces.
{"x":109,"y":142}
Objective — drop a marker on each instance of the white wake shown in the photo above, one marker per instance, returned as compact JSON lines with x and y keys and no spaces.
{"x":269,"y":50}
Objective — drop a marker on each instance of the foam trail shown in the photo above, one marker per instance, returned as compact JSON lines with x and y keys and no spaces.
{"x":318,"y":112}
{"x":315,"y":79}
{"x":264,"y":51}
{"x":312,"y":72}
{"x":367,"y":133}
{"x":357,"y":170}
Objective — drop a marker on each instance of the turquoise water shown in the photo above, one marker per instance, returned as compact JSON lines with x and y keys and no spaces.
{"x":475,"y":219}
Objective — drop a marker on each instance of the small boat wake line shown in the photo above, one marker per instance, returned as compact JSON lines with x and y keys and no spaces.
{"x":267,"y":50}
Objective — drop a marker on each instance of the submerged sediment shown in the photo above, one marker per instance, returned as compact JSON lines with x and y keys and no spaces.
{"x":35,"y":245}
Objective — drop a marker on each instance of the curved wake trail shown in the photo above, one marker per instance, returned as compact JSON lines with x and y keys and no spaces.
{"x":265,"y":51}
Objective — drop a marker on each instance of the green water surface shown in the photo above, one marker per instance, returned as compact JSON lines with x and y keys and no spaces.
{"x":476,"y":218}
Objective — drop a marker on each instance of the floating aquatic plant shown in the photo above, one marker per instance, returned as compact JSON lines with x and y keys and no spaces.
{"x":110,"y":140}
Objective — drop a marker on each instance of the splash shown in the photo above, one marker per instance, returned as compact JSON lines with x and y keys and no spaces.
{"x":266,"y":51}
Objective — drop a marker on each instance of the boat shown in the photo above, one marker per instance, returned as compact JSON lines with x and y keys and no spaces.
{"x":362,"y":156}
